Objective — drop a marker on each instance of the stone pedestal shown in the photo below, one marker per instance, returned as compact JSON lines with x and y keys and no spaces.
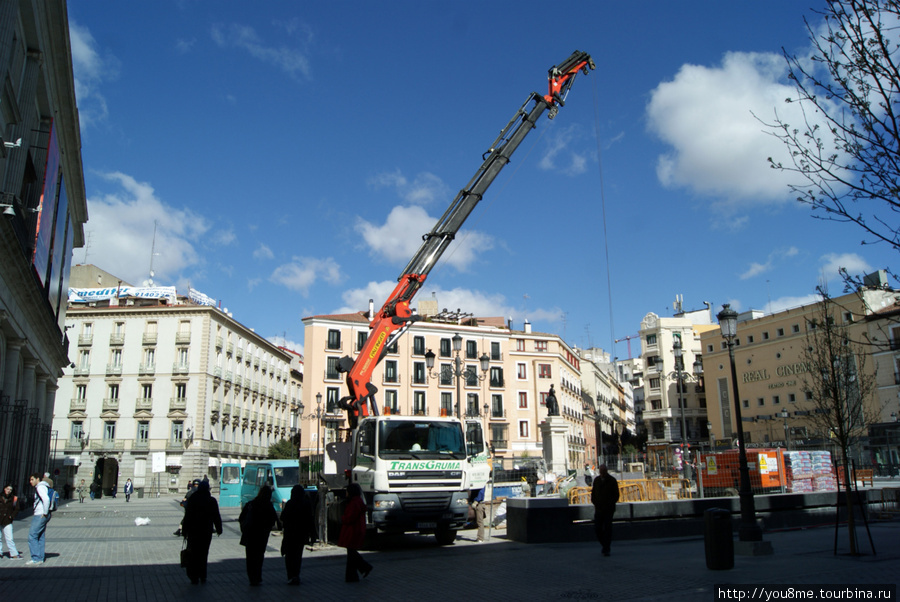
{"x":554,"y":431}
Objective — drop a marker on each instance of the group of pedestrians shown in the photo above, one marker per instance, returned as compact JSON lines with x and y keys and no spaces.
{"x":11,"y":505}
{"x":257,"y":519}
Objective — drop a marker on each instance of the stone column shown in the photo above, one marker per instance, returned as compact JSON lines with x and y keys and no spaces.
{"x":10,"y":374}
{"x":553,"y":433}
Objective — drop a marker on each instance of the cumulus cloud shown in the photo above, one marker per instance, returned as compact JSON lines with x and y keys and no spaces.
{"x":833,"y":262}
{"x":424,"y":189}
{"x":121,"y":230}
{"x":710,"y":117}
{"x":560,"y":156}
{"x":302,"y":272}
{"x":287,"y":344}
{"x":292,"y":61}
{"x":757,"y":268}
{"x":785,"y":303}
{"x":398,"y":239}
{"x":263,"y":252}
{"x":91,"y":68}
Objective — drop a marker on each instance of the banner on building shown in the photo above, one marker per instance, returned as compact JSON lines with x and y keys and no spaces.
{"x":88,"y":295}
{"x":199,"y":298}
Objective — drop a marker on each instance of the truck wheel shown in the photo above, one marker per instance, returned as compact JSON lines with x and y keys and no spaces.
{"x":445,"y":537}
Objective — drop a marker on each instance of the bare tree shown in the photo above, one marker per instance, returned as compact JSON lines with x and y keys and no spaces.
{"x":847,"y":145}
{"x":839,"y":390}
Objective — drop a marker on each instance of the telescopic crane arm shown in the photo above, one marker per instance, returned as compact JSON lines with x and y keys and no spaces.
{"x":395,"y":316}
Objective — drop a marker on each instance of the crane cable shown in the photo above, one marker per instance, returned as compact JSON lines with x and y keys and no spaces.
{"x":612,"y":332}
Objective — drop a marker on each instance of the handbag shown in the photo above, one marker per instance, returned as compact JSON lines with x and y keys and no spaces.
{"x":185,"y":555}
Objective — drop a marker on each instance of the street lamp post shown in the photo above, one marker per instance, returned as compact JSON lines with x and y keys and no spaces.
{"x":317,"y":416}
{"x":749,"y":530}
{"x":458,"y":371}
{"x":712,"y":436}
{"x":787,"y":437}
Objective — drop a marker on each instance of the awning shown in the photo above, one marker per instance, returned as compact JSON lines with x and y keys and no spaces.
{"x":173,"y":460}
{"x":72,"y":461}
{"x":213,"y":462}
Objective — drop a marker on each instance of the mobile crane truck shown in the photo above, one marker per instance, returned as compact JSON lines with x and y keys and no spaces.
{"x":416,"y":471}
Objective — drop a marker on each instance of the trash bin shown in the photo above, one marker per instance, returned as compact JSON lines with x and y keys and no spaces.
{"x":718,"y":539}
{"x":140,"y":492}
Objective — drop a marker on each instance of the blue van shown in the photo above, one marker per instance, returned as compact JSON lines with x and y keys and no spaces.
{"x":230,"y":486}
{"x":282,"y":474}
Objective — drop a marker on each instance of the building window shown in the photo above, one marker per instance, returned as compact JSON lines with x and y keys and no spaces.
{"x":109,"y":431}
{"x":651,"y":339}
{"x":418,"y":373}
{"x":765,"y":336}
{"x":181,"y":391}
{"x":390,"y":371}
{"x":749,"y":339}
{"x":495,"y":351}
{"x":84,"y":358}
{"x":654,"y":383}
{"x":520,"y":344}
{"x":113,"y":392}
{"x":543,"y":399}
{"x":792,"y":398}
{"x":116,"y":358}
{"x":77,"y":431}
{"x":540,"y":345}
{"x":746,"y":403}
{"x":780,"y":332}
{"x":418,"y":345}
{"x":361,"y":338}
{"x":419,"y":403}
{"x":471,"y":373}
{"x":761,"y":402}
{"x":390,"y":401}
{"x":446,"y":374}
{"x":544,"y":371}
{"x":445,"y":348}
{"x":331,"y":399}
{"x":149,"y":356}
{"x":334,"y":339}
{"x":496,"y":406}
{"x":521,"y":371}
{"x":472,"y":405}
{"x":143,"y":432}
{"x":523,"y":429}
{"x":710,"y":348}
{"x":795,"y":328}
{"x":331,"y":369}
{"x":776,"y":400}
{"x":446,"y":404}
{"x":523,"y":400}
{"x":147,"y":391}
{"x":496,"y":376}
{"x":471,"y":350}
{"x":81,"y":392}
{"x":177,"y":432}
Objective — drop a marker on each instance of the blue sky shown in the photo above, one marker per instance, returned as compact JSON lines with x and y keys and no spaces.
{"x":291,"y":154}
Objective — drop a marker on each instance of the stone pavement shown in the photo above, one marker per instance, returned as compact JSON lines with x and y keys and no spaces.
{"x":96,"y":552}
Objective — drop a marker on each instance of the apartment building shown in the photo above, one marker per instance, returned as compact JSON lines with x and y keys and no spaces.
{"x":168,"y":381}
{"x":42,"y":215}
{"x":506,"y":376}
{"x":770,"y":366}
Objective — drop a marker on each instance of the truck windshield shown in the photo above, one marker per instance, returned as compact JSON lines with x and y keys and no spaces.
{"x":419,"y":439}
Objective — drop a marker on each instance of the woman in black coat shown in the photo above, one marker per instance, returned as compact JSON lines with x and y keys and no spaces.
{"x":257,"y":519}
{"x":299,"y":529}
{"x":201,"y":518}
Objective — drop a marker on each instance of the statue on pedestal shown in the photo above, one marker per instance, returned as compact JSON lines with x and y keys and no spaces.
{"x":552,"y":404}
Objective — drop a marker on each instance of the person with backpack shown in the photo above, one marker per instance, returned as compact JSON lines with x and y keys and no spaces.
{"x":38,"y":530}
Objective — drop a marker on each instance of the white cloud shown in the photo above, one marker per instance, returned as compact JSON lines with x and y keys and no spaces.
{"x":303,"y":272}
{"x":757,"y":268}
{"x":263,"y":252}
{"x":708,"y":115}
{"x":292,"y":61}
{"x":398,"y":239}
{"x":559,"y":152}
{"x":283,"y":342}
{"x":224,"y":237}
{"x":424,"y":189}
{"x":785,"y":303}
{"x":853,"y":263}
{"x":90,"y":71}
{"x":121,"y":227}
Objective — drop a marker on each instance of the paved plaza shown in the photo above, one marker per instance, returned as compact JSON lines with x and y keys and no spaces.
{"x":96,"y":552}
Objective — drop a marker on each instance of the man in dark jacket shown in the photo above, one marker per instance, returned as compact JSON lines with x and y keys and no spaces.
{"x":201,"y":518}
{"x":604,"y":495}
{"x":299,"y":529}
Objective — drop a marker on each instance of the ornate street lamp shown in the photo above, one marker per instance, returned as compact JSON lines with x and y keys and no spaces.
{"x":457,"y":369}
{"x":749,"y":529}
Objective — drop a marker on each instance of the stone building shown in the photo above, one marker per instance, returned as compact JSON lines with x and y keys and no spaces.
{"x":42,"y":215}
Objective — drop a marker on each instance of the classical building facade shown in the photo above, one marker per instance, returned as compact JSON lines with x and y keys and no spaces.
{"x":771,"y":368}
{"x":509,"y":398}
{"x":179,"y":384}
{"x":42,"y":215}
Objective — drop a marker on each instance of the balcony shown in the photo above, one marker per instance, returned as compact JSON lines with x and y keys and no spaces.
{"x":177,"y":403}
{"x":114,"y":369}
{"x":219,"y":342}
{"x":149,"y":338}
{"x":111,"y":404}
{"x":183,"y":338}
{"x":145,"y":369}
{"x":229,"y":348}
{"x":82,"y":370}
{"x":217,"y":373}
{"x":116,"y":340}
{"x":85,"y":340}
{"x":73,"y":446}
{"x":178,"y":368}
{"x":227,"y":409}
{"x":498,"y":414}
{"x":499,"y":443}
{"x":238,"y":381}
{"x":229,"y":376}
{"x":216,"y":405}
{"x":214,"y":446}
{"x":143,"y":403}
{"x":107,"y":445}
{"x":392,"y":379}
{"x":497,"y":383}
{"x":236,"y":412}
{"x":141,"y":445}
{"x":78,"y":405}
{"x":239,"y":354}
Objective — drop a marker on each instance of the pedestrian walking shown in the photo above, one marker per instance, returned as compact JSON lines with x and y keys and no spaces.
{"x":353,"y":534}
{"x":257,"y":519}
{"x":192,"y":486}
{"x":9,"y":508}
{"x":481,"y":506}
{"x":37,"y":533}
{"x":201,"y":519}
{"x":81,"y":490}
{"x":129,"y":489}
{"x":298,"y":529}
{"x":95,"y":489}
{"x":604,"y":495}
